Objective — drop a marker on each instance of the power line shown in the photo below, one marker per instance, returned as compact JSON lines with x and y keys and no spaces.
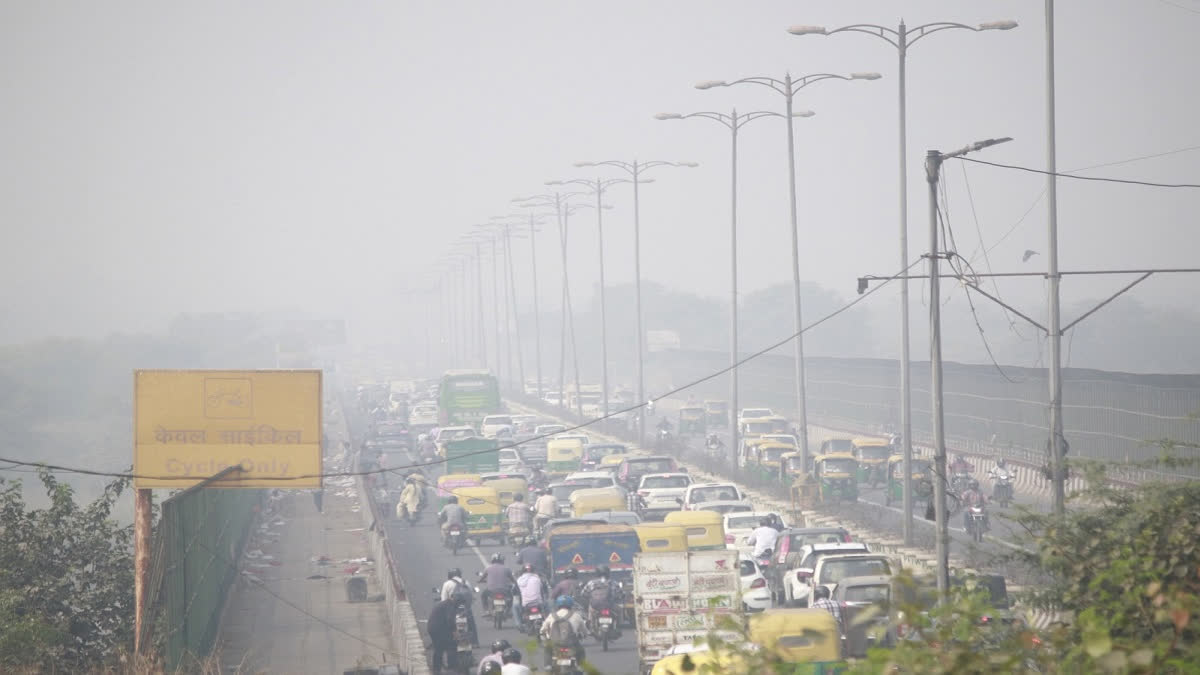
{"x":1098,"y":179}
{"x":1012,"y":323}
{"x":1176,"y":5}
{"x":417,"y":465}
{"x":1135,"y":159}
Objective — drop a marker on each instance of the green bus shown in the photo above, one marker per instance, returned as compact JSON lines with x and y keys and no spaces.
{"x":467,"y":396}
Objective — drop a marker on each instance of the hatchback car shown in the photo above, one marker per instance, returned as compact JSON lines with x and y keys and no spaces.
{"x":756,"y":597}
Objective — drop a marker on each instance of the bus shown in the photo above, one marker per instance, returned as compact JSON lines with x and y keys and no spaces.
{"x":467,"y":396}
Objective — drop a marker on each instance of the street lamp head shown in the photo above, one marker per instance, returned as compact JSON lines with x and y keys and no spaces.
{"x":554,"y":182}
{"x":865,"y":76}
{"x":690,"y":165}
{"x":583,"y":164}
{"x":976,"y":147}
{"x":807,"y":30}
{"x":668,"y":116}
{"x":1007,"y":24}
{"x":709,"y":84}
{"x":803,"y":113}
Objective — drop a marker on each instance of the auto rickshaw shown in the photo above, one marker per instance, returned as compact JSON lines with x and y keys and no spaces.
{"x":662,"y":537}
{"x":508,"y":485}
{"x":762,"y":459}
{"x":872,"y":455}
{"x":593,"y":453}
{"x":716,"y":414}
{"x":611,"y":462}
{"x":692,"y":421}
{"x":705,"y":529}
{"x":451,"y":483}
{"x":810,"y":636}
{"x":922,"y":481}
{"x":703,"y":660}
{"x":564,"y":456}
{"x":483,"y":512}
{"x":835,"y":477}
{"x":591,"y":500}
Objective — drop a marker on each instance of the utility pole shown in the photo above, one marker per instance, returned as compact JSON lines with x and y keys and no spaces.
{"x":1058,"y":458}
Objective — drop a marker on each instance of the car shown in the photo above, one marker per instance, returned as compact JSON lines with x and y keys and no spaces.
{"x":423,"y":415}
{"x":510,"y":459}
{"x":554,"y":398}
{"x":855,"y":595}
{"x":597,"y":479}
{"x":546,"y":430}
{"x":562,"y":491}
{"x":634,"y":467}
{"x":453,"y":434}
{"x":798,"y":581}
{"x":659,"y":493}
{"x":739,"y":526}
{"x":831,"y":569}
{"x":756,"y":596}
{"x":523,"y":424}
{"x":755,"y":413}
{"x":726,"y":506}
{"x":496,"y":425}
{"x":582,"y":438}
{"x":533,"y":454}
{"x":698,"y":493}
{"x":614,"y":517}
{"x":594,"y":452}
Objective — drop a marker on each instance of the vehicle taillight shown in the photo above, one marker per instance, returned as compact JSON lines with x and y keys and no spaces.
{"x":759,"y":583}
{"x":729,"y":539}
{"x":534,"y":610}
{"x":605,"y":612}
{"x":785,"y":544}
{"x":846,"y":537}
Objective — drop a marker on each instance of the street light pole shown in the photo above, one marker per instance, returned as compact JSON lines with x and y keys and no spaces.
{"x":1058,"y":458}
{"x":635,"y":169}
{"x":733,"y":122}
{"x":788,"y":88}
{"x":933,"y":167}
{"x":899,"y":38}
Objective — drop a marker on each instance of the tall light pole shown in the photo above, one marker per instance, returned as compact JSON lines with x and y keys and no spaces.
{"x":598,"y":187}
{"x":1057,"y":443}
{"x":733,"y":122}
{"x":901,"y":38}
{"x":635,"y":169}
{"x":491,"y":236}
{"x":787,"y":87}
{"x":933,"y":167}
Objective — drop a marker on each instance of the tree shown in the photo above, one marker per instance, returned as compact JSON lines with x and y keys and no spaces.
{"x":66,"y":579}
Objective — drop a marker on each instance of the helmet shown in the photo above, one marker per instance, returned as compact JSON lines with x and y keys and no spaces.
{"x":572,"y":573}
{"x":528,"y":568}
{"x":454,"y":572}
{"x":519,"y":497}
{"x":491,"y":668}
{"x":974,"y":485}
{"x":498,"y":558}
{"x":1000,"y":462}
{"x":820,"y":593}
{"x":564,"y":601}
{"x":602,"y":570}
{"x":510,"y":655}
{"x":500,"y":645}
{"x":452,"y":500}
{"x":764,"y":521}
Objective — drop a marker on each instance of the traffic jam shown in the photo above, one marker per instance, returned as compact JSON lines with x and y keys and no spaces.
{"x":564,"y":549}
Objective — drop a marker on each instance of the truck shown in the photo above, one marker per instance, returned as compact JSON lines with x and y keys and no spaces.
{"x":683,"y":596}
{"x":472,"y":455}
{"x":587,"y":546}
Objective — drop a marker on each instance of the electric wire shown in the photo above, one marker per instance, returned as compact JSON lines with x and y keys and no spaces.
{"x":1098,"y":179}
{"x":433,"y":462}
{"x":1012,"y":323}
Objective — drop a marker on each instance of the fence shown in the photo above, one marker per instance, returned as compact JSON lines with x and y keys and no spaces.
{"x":1115,"y":417}
{"x":198,"y":539}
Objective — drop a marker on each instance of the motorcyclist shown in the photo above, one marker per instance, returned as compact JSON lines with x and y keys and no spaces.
{"x":601,"y":593}
{"x":518,"y":513}
{"x":714,"y":442}
{"x":512,"y":663}
{"x":532,"y":589}
{"x":972,"y":496}
{"x":663,"y":425}
{"x":1000,"y":469}
{"x":763,"y":538}
{"x":569,"y":584}
{"x":534,"y":555}
{"x":496,"y":578}
{"x":454,"y":589}
{"x":452,"y":514}
{"x":568,"y":624}
{"x":960,"y":465}
{"x":498,"y":648}
{"x":545,"y":509}
{"x":410,"y":499}
{"x":537,"y":478}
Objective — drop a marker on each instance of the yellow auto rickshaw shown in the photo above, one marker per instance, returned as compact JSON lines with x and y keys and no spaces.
{"x":872,"y":455}
{"x":703,"y":661}
{"x":836,"y":479}
{"x":591,"y":500}
{"x":806,"y":635}
{"x":508,"y":485}
{"x":717,"y":414}
{"x":450,"y":484}
{"x":483,"y":512}
{"x":692,"y":421}
{"x":922,"y":479}
{"x":705,"y":529}
{"x":611,"y":462}
{"x":564,"y":456}
{"x":662,"y":537}
{"x":763,"y":459}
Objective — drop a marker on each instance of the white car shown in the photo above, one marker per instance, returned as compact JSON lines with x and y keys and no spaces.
{"x":798,"y":582}
{"x":598,"y":479}
{"x":660,"y":493}
{"x":739,"y":527}
{"x":423,"y":414}
{"x":756,"y":596}
{"x":754,"y":413}
{"x":523,"y":423}
{"x":494,"y":425}
{"x":698,"y":493}
{"x":453,"y":434}
{"x":582,"y":438}
{"x":548,"y":429}
{"x":553,"y":398}
{"x":510,"y":460}
{"x":726,"y":506}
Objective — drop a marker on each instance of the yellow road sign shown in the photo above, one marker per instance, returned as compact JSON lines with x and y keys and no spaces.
{"x":190,"y":424}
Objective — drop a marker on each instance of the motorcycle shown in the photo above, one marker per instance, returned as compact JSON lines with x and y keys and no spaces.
{"x":666,"y":441}
{"x":464,"y":660}
{"x":534,"y":618}
{"x":975,"y":522}
{"x":604,"y":626}
{"x":517,"y":533}
{"x":501,"y":606}
{"x":456,"y":538}
{"x":564,"y":662}
{"x":1002,"y":492}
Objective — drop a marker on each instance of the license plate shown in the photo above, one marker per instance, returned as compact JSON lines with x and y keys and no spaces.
{"x":605,"y":621}
{"x":564,"y":662}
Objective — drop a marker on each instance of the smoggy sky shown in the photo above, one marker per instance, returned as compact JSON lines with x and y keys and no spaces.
{"x":225,"y":156}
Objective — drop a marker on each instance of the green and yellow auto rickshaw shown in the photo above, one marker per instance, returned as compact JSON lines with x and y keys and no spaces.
{"x":836,"y":478}
{"x":717,"y":414}
{"x":564,"y":456}
{"x":692,"y":421}
{"x":872,"y":455}
{"x":763,"y":459}
{"x":483,"y":512}
{"x":922,"y":479}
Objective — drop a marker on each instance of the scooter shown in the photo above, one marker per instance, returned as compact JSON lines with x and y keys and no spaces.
{"x":1002,"y":492}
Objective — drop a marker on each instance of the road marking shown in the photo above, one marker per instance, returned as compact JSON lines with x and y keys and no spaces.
{"x":482,"y":560}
